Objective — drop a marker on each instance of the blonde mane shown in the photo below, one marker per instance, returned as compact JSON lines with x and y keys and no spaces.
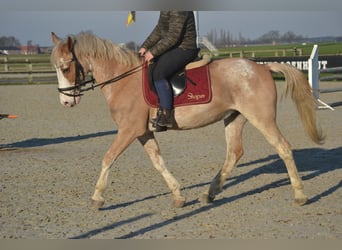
{"x":89,"y":45}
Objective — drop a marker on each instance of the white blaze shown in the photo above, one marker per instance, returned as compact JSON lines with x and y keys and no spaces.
{"x":63,"y":82}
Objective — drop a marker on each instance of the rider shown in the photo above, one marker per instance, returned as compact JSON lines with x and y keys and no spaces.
{"x":170,"y":46}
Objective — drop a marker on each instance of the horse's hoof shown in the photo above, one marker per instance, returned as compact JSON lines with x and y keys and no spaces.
{"x":206,"y":198}
{"x":301,"y":201}
{"x":97,"y":204}
{"x":178,"y":203}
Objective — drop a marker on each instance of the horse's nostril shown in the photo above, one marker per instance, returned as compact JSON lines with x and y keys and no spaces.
{"x":68,"y":104}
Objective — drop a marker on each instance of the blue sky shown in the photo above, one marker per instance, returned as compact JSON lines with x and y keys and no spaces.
{"x":35,"y":19}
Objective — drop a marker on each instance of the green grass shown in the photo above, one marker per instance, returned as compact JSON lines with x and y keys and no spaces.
{"x":331,"y":48}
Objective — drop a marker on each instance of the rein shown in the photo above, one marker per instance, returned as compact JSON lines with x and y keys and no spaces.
{"x":79,"y":84}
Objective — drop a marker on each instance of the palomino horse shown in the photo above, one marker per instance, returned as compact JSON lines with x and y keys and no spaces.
{"x":241,"y":91}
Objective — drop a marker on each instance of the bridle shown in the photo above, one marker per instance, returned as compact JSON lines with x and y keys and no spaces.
{"x":80,"y":81}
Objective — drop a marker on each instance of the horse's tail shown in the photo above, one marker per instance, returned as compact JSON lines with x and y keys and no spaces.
{"x":298,"y":86}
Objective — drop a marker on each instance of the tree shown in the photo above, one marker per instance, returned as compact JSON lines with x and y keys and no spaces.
{"x":224,"y":38}
{"x":9,"y":41}
{"x":272,"y":36}
{"x":131,"y":46}
{"x":241,"y":39}
{"x":290,"y":37}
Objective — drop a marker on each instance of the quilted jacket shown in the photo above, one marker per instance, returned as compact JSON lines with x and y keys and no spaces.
{"x":174,"y":29}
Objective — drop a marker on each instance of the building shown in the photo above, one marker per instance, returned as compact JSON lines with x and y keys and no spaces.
{"x":29,"y":49}
{"x":20,"y":50}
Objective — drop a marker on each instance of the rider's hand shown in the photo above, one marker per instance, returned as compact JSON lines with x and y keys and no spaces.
{"x":148,"y":56}
{"x":142,"y":52}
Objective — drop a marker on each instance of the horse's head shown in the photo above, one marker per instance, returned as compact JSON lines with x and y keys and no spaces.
{"x":69,"y":71}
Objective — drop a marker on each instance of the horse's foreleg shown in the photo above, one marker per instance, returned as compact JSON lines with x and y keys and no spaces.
{"x":152,"y":149}
{"x":233,"y":133}
{"x":120,"y":143}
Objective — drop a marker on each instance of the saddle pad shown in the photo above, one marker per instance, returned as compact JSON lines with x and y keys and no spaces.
{"x":198,"y":88}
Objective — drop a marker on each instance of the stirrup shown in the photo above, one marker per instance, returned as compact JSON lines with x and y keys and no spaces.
{"x":165,"y":119}
{"x":155,"y":121}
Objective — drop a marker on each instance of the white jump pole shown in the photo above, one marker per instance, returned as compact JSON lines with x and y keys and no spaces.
{"x":196,"y":14}
{"x":314,"y":76}
{"x":314,"y":71}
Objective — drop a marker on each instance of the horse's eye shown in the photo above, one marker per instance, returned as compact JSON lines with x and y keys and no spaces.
{"x":65,"y":70}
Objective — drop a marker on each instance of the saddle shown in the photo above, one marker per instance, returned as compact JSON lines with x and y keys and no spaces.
{"x":178,"y":81}
{"x":190,"y":86}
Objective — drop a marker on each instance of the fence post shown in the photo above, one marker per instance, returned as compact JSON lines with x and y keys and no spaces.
{"x":29,"y":70}
{"x":29,"y":65}
{"x":5,"y":64}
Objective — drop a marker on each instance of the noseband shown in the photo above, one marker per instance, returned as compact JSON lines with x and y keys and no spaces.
{"x":80,"y":78}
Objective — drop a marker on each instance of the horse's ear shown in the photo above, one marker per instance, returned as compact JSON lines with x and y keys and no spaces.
{"x":70,"y":43}
{"x":55,"y":38}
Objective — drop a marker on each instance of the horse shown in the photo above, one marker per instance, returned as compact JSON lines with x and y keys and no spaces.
{"x":242,"y":91}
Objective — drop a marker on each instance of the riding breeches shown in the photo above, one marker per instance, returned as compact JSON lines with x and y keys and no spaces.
{"x":171,"y":62}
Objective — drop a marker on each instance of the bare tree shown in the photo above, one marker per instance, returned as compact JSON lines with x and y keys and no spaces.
{"x":272,"y":36}
{"x":9,"y":41}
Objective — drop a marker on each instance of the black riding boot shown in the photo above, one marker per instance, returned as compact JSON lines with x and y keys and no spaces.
{"x":166,"y":118}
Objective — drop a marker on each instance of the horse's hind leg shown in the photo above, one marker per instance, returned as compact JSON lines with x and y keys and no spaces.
{"x":233,"y":133}
{"x":270,"y":130}
{"x":152,"y":149}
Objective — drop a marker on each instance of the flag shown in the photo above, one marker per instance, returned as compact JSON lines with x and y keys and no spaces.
{"x":130,"y":18}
